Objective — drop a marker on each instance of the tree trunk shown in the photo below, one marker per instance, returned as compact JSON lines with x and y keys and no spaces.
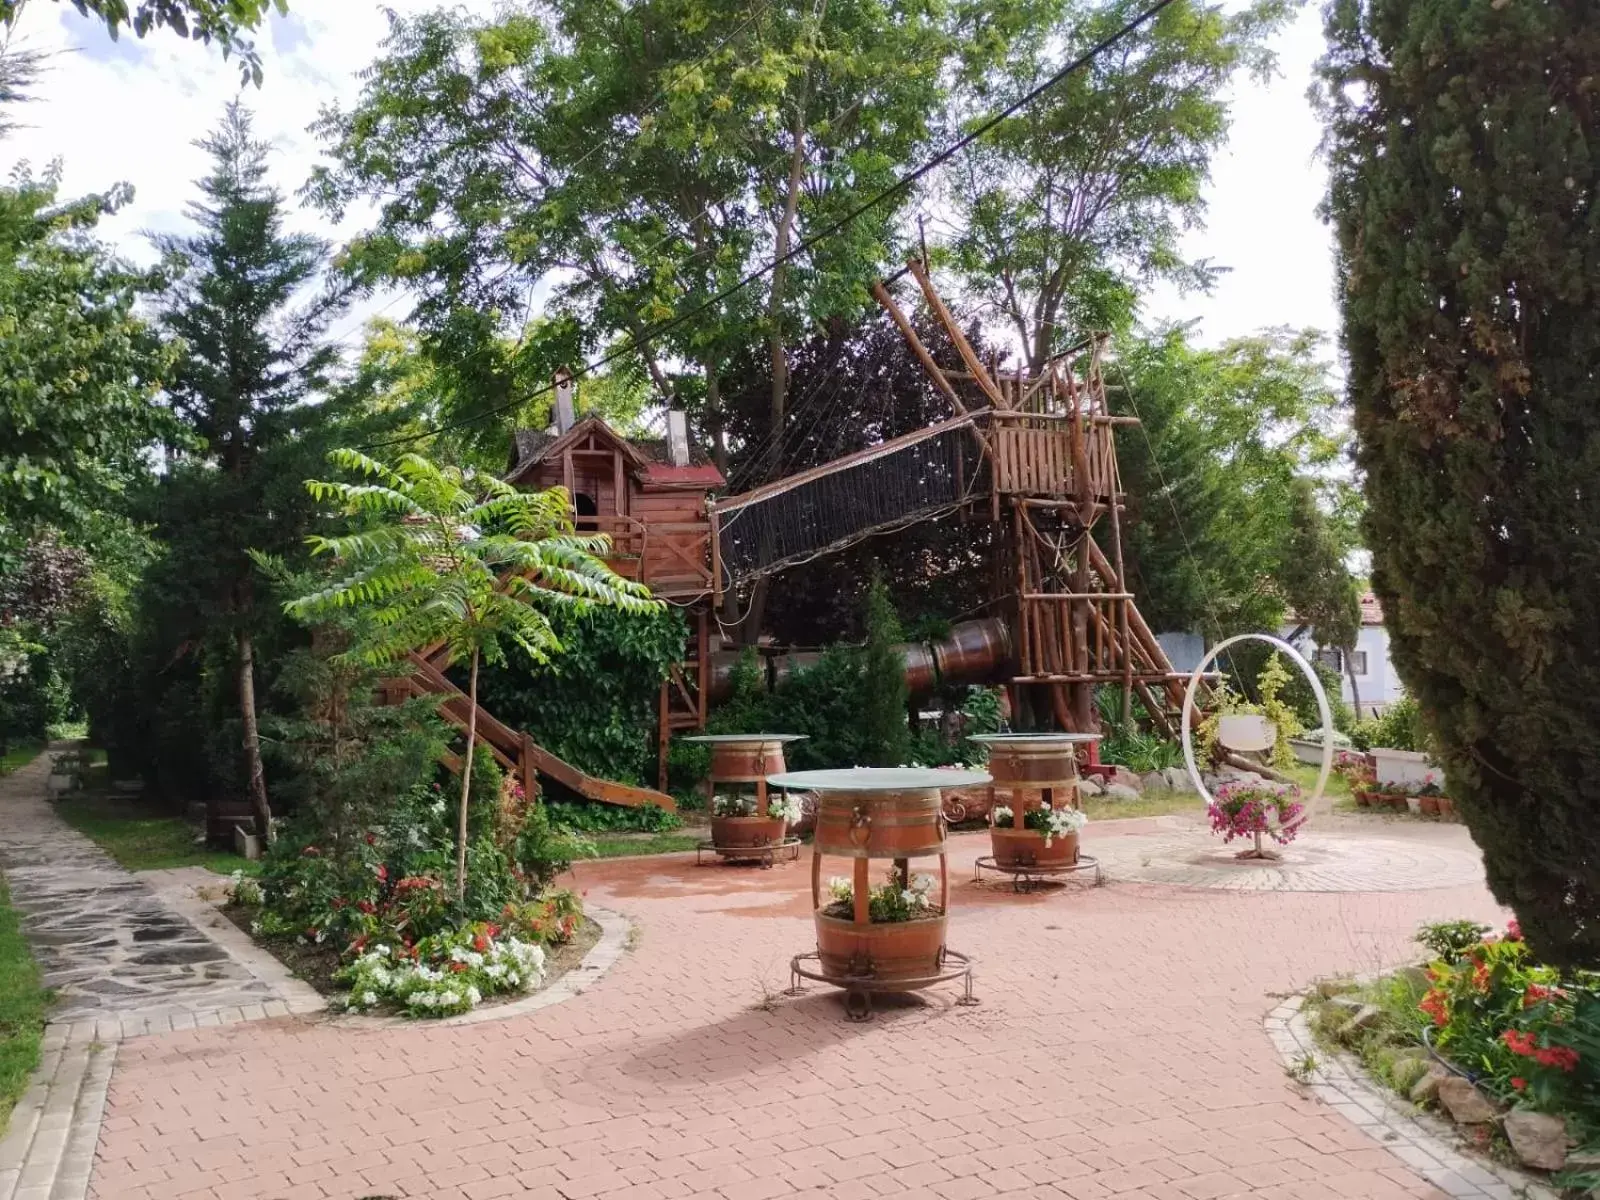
{"x":466,"y":781}
{"x":1355,"y":691}
{"x":252,"y":736}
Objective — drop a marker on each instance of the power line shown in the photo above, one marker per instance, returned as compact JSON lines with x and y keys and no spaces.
{"x":827,"y":231}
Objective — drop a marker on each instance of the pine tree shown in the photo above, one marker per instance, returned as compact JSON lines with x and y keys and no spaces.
{"x":249,"y":310}
{"x":886,"y":734}
{"x":1463,"y":141}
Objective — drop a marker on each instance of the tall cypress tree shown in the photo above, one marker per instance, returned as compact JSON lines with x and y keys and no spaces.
{"x":250,"y":312}
{"x":1465,"y":148}
{"x":885,"y":730}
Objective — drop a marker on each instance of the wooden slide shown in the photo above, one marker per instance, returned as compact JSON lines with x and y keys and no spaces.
{"x":514,"y":750}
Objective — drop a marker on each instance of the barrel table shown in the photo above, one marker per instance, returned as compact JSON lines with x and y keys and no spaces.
{"x":893,"y":813}
{"x":741,"y":762}
{"x":1023,"y":764}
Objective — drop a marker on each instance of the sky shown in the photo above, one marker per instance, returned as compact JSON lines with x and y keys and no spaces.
{"x":131,"y":110}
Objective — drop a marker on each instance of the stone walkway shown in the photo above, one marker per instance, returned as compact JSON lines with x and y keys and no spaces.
{"x":1119,"y":1050}
{"x":116,"y":954}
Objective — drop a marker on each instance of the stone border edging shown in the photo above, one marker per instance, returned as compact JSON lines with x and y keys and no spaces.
{"x":48,"y":1150}
{"x":602,"y":956}
{"x":1422,"y":1141}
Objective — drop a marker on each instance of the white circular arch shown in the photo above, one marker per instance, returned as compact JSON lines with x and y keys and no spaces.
{"x":1316,"y":689}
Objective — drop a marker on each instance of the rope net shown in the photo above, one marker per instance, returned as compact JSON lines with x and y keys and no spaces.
{"x":910,"y":479}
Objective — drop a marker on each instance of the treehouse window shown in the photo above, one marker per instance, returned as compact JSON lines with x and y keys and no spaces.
{"x":584,"y":506}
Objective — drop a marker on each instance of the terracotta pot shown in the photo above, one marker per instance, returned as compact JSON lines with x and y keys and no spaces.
{"x":880,"y":824}
{"x":895,"y":950}
{"x":746,"y":831}
{"x":1447,"y":807}
{"x":1430,"y":805}
{"x":1363,"y":798}
{"x":1026,"y":848}
{"x":1398,"y":801}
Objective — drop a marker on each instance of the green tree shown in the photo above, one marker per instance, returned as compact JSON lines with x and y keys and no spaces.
{"x":442,"y":556}
{"x":884,"y":696}
{"x":78,"y":367}
{"x":1462,"y":139}
{"x":222,"y":21}
{"x":248,"y":390}
{"x":637,"y":160}
{"x":1065,"y":210}
{"x":1230,"y":476}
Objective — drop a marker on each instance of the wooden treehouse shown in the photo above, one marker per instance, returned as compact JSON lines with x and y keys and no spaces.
{"x":1032,"y":455}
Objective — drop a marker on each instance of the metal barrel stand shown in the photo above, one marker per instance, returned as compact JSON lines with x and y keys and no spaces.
{"x":743,"y":761}
{"x":879,"y":813}
{"x":1046,"y":763}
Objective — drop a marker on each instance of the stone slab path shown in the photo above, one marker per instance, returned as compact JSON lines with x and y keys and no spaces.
{"x":114,"y":951}
{"x":125,"y":960}
{"x":1119,"y":1051}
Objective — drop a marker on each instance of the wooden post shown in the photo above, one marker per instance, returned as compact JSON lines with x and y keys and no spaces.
{"x":963,"y":347}
{"x":663,"y":735}
{"x":860,"y":886}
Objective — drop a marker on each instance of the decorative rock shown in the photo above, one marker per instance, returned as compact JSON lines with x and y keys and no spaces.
{"x":1365,"y":1017}
{"x":1090,"y":787}
{"x":1178,"y":779}
{"x":1354,"y":1003}
{"x":1152,"y":781}
{"x":1329,"y":988}
{"x":1426,"y":1089}
{"x":1465,"y":1103}
{"x":1120,"y":791}
{"x":1406,"y":1072}
{"x":1125,"y":778}
{"x":1539,"y":1139}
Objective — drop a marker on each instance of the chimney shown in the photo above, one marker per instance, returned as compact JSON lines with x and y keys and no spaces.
{"x":565,"y":416}
{"x":677,"y":437}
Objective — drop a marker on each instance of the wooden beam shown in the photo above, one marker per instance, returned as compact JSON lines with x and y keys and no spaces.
{"x":963,"y":347}
{"x":935,"y":372}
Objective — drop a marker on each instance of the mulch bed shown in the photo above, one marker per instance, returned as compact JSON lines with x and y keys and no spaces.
{"x":316,"y":965}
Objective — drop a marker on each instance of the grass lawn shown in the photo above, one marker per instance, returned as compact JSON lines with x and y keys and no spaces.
{"x":1157,"y":802}
{"x":20,"y":755}
{"x":615,"y":845}
{"x":22,"y":1004}
{"x":144,"y":840}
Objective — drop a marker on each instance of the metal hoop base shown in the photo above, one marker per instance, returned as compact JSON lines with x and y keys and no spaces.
{"x":1031,"y":878}
{"x":859,"y":989}
{"x":787,"y":850}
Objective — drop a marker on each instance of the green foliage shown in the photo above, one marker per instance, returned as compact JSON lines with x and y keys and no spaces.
{"x":1461,"y":136}
{"x":78,"y":367}
{"x":595,"y":703}
{"x":222,"y":21}
{"x":1074,"y":203}
{"x":977,"y":710}
{"x":1270,"y":684}
{"x":884,"y":696}
{"x":1132,"y":745}
{"x":1236,"y":454}
{"x":1398,"y":727}
{"x":585,"y":817}
{"x":1449,"y":940}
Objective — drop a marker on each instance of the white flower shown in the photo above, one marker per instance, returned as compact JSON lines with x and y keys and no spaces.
{"x":495,"y":970}
{"x":474,"y":997}
{"x":369,"y":998}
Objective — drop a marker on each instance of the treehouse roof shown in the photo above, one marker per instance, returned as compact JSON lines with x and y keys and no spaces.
{"x":647,"y":458}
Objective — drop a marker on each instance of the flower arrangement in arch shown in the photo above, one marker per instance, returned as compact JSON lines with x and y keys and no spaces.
{"x":897,"y":899}
{"x":1249,"y":809}
{"x":1052,"y":822}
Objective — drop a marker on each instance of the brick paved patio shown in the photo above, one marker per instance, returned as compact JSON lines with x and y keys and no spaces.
{"x":1118,"y":1051}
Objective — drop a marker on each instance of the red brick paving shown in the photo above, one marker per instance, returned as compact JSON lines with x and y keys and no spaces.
{"x":1118,"y":1051}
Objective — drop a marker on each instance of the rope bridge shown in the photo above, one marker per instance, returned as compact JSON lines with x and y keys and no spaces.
{"x":902,"y":481}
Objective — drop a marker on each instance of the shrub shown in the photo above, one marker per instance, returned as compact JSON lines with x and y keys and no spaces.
{"x":1449,"y":940}
{"x":445,"y":974}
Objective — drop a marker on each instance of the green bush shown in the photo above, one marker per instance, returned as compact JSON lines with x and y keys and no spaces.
{"x":1398,"y":727}
{"x":585,"y":816}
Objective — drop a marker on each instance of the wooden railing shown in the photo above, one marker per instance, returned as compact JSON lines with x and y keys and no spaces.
{"x":1039,"y":454}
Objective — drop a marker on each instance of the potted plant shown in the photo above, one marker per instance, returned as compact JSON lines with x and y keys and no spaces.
{"x":1356,"y":771}
{"x":736,"y":819}
{"x":1048,"y":837}
{"x":1257,"y":810}
{"x":904,"y":936}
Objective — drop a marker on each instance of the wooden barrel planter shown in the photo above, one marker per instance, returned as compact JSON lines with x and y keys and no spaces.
{"x":740,"y":764}
{"x":1032,"y":771}
{"x":880,"y":813}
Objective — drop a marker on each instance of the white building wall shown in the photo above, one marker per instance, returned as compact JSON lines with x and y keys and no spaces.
{"x":1376,"y":679}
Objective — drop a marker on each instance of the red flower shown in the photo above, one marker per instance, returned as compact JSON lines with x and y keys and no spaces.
{"x":492,"y":930}
{"x":311,"y":852}
{"x":1561,"y":1057}
{"x":1518,"y":1082}
{"x":1519,"y":1042}
{"x":383,"y":873}
{"x":480,"y":944}
{"x":1435,"y":1004}
{"x":339,"y":902}
{"x":1535,"y":993}
{"x":1480,"y":977}
{"x":1513,"y":930}
{"x":367,"y":906}
{"x":372,"y":839}
{"x":458,"y":967}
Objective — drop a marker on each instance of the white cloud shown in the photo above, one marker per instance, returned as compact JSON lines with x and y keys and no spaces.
{"x":132,"y":111}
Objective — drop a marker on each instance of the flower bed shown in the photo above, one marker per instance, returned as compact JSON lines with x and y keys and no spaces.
{"x":1509,"y":1047}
